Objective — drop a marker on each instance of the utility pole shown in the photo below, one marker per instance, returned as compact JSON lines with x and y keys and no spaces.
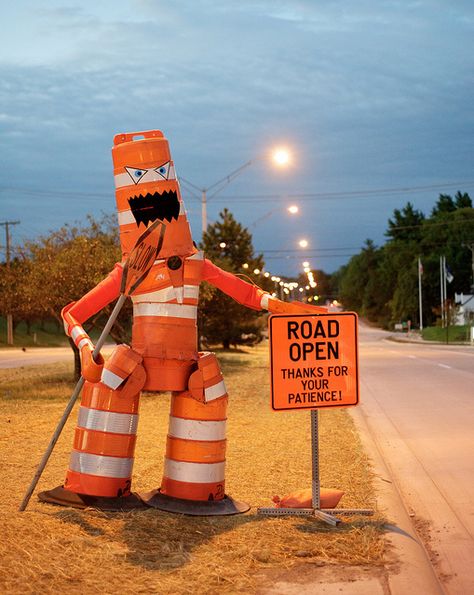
{"x":7,"y":258}
{"x":471,"y":248}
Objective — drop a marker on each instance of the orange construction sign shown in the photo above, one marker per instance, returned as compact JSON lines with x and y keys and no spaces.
{"x":314,"y":360}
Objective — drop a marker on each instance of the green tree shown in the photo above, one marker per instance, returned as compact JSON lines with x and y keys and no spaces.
{"x":359,"y":288}
{"x":445,"y":204}
{"x":68,"y":263}
{"x":222,"y":320}
{"x":462,"y":200}
{"x":405,"y":224}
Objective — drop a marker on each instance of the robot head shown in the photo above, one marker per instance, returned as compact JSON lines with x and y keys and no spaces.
{"x":146,"y":189}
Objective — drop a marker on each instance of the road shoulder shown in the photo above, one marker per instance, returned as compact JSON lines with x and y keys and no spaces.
{"x":410,"y":569}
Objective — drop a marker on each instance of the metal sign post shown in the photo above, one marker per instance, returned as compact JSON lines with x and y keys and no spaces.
{"x":333,"y":362}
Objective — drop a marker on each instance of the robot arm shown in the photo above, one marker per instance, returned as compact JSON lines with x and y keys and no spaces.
{"x":251,"y":295}
{"x":75,"y":313}
{"x":238,"y":289}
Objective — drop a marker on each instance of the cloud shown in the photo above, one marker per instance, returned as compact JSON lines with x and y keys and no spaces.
{"x":367,"y":94}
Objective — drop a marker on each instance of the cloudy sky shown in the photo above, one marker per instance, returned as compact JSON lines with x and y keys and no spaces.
{"x":375,"y":100}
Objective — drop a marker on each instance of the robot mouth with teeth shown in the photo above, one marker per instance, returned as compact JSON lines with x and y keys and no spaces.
{"x":148,"y":208}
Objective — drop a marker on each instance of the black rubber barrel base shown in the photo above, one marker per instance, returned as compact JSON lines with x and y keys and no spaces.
{"x":62,"y":497}
{"x":226,"y":506}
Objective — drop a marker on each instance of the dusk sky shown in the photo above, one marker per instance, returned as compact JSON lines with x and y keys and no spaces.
{"x":369,"y":97}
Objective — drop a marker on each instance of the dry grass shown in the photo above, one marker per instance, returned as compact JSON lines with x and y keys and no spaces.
{"x":48,"y":549}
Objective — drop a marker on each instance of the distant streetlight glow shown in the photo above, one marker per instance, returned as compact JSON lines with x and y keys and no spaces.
{"x":303,"y":243}
{"x":245,"y":266}
{"x":256,"y":271}
{"x":306,"y":264}
{"x":281,"y":156}
{"x":293,"y":209}
{"x":222,"y":245}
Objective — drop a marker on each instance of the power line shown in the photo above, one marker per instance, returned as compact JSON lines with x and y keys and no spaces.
{"x":368,"y":193}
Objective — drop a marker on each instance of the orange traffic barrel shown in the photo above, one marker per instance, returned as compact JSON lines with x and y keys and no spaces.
{"x":101,"y":461}
{"x":194,"y":468}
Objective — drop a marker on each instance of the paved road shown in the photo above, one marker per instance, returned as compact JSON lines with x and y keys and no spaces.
{"x":418,"y":400}
{"x":16,"y":358}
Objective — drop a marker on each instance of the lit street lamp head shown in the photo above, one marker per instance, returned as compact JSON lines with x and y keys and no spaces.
{"x":281,"y":157}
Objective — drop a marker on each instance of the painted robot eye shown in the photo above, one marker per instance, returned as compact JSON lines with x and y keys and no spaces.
{"x":166,"y":171}
{"x":135,"y":173}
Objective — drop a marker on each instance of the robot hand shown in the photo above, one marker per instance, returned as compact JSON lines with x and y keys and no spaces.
{"x":91,"y":369}
{"x":276,"y":306}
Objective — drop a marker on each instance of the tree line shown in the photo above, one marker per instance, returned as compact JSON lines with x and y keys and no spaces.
{"x":381,"y":283}
{"x":61,"y":267}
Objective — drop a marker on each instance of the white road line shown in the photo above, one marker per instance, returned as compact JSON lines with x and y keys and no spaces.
{"x":444,"y":366}
{"x":412,"y":356}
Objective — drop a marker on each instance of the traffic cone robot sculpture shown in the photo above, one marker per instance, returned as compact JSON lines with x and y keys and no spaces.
{"x":163,"y":355}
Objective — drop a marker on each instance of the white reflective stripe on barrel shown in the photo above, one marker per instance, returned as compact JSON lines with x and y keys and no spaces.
{"x":166,"y":294}
{"x":194,"y":472}
{"x":76,"y":332}
{"x":84,"y":462}
{"x":126,"y":217}
{"x":198,"y":256}
{"x":215,"y":391}
{"x":83,"y":342}
{"x":156,"y":309}
{"x":107,"y":421}
{"x":196,"y":429}
{"x":111,"y":379}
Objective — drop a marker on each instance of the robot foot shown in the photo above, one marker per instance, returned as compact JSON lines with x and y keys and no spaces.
{"x":63,"y":497}
{"x":225,"y":506}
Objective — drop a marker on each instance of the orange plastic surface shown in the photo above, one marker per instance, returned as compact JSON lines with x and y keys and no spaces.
{"x":195,"y":451}
{"x":314,"y":361}
{"x":241,"y":291}
{"x":94,"y":485}
{"x":193,"y":491}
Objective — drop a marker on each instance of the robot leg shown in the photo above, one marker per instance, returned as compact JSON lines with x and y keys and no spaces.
{"x":194,"y":470}
{"x":100,"y":467}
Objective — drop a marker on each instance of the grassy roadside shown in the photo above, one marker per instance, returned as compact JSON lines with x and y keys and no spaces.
{"x":454,"y":334}
{"x":47,"y":549}
{"x":47,"y":335}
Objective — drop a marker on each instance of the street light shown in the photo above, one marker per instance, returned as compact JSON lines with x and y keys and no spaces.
{"x":280,"y":156}
{"x":303,"y":243}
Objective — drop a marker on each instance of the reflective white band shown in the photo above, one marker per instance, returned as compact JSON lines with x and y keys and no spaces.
{"x":125,"y":217}
{"x":215,"y":391}
{"x":76,"y":332}
{"x":110,"y":379}
{"x":123,"y":179}
{"x":156,"y":309}
{"x":194,"y":472}
{"x":194,"y":429}
{"x":84,"y":462}
{"x":107,"y":421}
{"x":83,"y":342}
{"x":264,"y":301}
{"x":166,"y":294}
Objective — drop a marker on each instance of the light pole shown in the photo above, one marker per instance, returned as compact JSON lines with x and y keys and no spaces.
{"x":280,"y":156}
{"x":292,"y":210}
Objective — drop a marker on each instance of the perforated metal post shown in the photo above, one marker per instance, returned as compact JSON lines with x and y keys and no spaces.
{"x":316,"y":484}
